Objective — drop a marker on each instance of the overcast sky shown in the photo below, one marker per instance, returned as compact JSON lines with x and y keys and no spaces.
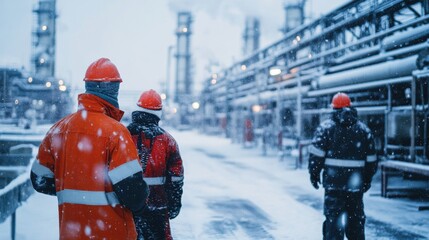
{"x":135,"y":34}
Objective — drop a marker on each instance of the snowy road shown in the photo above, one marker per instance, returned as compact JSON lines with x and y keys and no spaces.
{"x":235,"y":193}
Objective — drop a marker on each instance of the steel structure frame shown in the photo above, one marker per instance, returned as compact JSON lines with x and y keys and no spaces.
{"x":367,"y":48}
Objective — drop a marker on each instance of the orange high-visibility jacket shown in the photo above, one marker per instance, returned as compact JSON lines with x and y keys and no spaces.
{"x":83,"y":158}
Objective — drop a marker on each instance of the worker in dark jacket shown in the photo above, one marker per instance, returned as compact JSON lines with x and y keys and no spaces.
{"x":162,"y":167}
{"x":343,"y":147}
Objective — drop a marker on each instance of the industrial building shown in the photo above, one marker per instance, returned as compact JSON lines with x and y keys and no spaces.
{"x":37,"y":95}
{"x":375,"y":51}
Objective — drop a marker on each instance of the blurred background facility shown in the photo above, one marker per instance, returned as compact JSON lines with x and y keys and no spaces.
{"x":374,"y":51}
{"x":276,"y":94}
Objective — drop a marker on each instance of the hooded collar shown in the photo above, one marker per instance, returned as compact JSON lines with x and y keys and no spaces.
{"x":346,"y":116}
{"x":145,"y":118}
{"x":145,"y":122}
{"x":94,"y":103}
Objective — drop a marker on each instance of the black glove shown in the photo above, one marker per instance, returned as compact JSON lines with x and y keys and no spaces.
{"x":366,"y":187}
{"x":141,"y":226}
{"x":173,"y":211}
{"x":315,"y":180}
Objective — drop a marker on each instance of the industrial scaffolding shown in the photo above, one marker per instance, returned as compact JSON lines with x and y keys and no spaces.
{"x":375,"y":51}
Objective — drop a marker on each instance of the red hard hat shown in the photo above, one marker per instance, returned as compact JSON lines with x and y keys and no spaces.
{"x":102,"y":70}
{"x":341,"y":100}
{"x":150,"y":100}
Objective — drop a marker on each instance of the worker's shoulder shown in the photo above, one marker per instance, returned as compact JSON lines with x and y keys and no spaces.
{"x":363,"y":126}
{"x":60,"y":125}
{"x":327,"y":124}
{"x":106,"y":125}
{"x":166,"y":134}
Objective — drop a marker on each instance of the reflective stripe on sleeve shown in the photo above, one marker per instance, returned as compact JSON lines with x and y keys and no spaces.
{"x":176,"y":179}
{"x":154,"y":180}
{"x":125,"y":170}
{"x":316,"y":151}
{"x":344,"y":162}
{"x":371,"y":158}
{"x":160,"y":180}
{"x":41,"y":170}
{"x":87,"y":197}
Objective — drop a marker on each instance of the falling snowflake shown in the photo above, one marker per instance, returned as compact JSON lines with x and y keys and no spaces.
{"x":85,"y":145}
{"x":84,"y":114}
{"x":87,"y":230}
{"x":100,"y":224}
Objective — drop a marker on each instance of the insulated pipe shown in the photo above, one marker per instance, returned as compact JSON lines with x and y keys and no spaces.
{"x":391,"y":69}
{"x":413,"y":121}
{"x":399,"y":38}
{"x":358,"y":54}
{"x":383,"y":57}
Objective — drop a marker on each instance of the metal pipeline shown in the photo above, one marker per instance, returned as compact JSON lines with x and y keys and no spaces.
{"x":386,"y":70}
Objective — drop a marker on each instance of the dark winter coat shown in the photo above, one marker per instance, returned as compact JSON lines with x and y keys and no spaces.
{"x":88,"y":160}
{"x":343,"y":147}
{"x":163,"y":168}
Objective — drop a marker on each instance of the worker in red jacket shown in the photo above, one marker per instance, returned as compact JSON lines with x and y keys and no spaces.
{"x":88,"y":160}
{"x":162,"y":167}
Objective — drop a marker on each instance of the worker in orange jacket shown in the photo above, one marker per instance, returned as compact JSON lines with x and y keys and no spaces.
{"x":88,"y":160}
{"x":163,"y":168}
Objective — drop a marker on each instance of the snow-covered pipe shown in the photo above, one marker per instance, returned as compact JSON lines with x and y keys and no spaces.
{"x":358,"y":54}
{"x":399,"y":38}
{"x":391,"y":69}
{"x":383,"y":57}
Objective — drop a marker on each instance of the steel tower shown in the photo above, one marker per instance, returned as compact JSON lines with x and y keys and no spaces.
{"x":251,"y":35}
{"x":183,"y":57}
{"x":43,"y":59}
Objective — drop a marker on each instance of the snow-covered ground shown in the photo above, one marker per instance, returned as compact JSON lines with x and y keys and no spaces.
{"x":232,"y":192}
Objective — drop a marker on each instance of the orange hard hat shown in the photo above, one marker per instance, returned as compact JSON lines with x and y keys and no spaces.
{"x":102,"y":70}
{"x":150,"y":100}
{"x":341,"y":100}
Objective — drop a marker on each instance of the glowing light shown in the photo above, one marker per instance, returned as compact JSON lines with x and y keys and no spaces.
{"x":44,"y":28}
{"x":60,"y":82}
{"x":256,"y":108}
{"x":195,"y":105}
{"x":48,"y":84}
{"x":214,"y":75}
{"x":62,"y":88}
{"x":163,"y":96}
{"x":16,"y":101}
{"x":243,"y":67}
{"x":30,"y":80}
{"x":213,"y":81}
{"x":275,"y":71}
{"x":298,"y":38}
{"x":185,"y":29}
{"x":310,"y":55}
{"x":42,"y":60}
{"x":294,"y":70}
{"x":174,"y":110}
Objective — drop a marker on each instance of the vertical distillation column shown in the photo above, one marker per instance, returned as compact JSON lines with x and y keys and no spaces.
{"x":294,"y":16}
{"x":251,"y":35}
{"x":183,"y":88}
{"x":43,"y":59}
